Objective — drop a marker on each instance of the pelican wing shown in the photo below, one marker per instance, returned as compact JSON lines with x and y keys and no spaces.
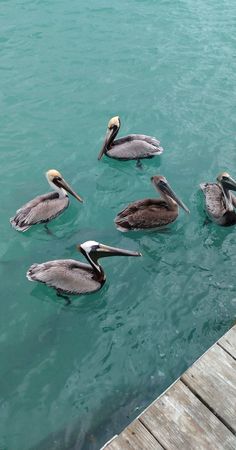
{"x":214,"y":200}
{"x":138,"y":137}
{"x":135,"y":146}
{"x":68,"y":276}
{"x":144,"y":214}
{"x":39,"y":210}
{"x":233,"y":198}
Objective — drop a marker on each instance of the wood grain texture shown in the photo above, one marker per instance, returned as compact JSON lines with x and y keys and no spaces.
{"x":134,"y":437}
{"x":197,"y":412}
{"x":228,"y":342}
{"x":179,"y":420}
{"x":213,"y":379}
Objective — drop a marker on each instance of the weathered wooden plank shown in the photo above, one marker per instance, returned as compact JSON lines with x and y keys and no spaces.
{"x":213,"y":379}
{"x":179,"y":420}
{"x":134,"y":437}
{"x":197,"y":412}
{"x":228,"y":342}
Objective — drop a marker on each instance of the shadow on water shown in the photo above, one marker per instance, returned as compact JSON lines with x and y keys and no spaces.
{"x":90,"y":434}
{"x":79,"y":303}
{"x":100,"y":423}
{"x":126,"y":166}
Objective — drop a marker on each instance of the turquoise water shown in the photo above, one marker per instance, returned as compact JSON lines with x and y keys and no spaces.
{"x":71,"y":377}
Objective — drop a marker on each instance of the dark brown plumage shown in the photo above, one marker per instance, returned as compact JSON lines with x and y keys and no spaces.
{"x":151,"y":213}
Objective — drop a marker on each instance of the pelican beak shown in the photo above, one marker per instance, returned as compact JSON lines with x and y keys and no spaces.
{"x":108,"y":139}
{"x":106,"y":250}
{"x":62,"y":183}
{"x":230,"y":183}
{"x":165,"y":187}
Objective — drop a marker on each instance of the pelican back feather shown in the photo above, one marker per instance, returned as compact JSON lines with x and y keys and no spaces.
{"x":68,"y":276}
{"x":39,"y":210}
{"x":145,"y":214}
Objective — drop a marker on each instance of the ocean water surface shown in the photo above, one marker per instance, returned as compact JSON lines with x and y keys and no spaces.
{"x":71,"y":377}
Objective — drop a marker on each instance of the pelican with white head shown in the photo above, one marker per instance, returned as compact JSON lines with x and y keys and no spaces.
{"x":45,"y":207}
{"x":72,"y":277}
{"x":132,"y":146}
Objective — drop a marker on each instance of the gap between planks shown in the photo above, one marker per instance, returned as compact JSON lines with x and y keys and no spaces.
{"x":194,"y":392}
{"x":215,"y":370}
{"x":150,"y":432}
{"x":227,"y":346}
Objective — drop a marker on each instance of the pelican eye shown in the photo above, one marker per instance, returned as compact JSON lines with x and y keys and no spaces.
{"x":57,"y":179}
{"x":94,"y":248}
{"x":162,"y":183}
{"x":224,"y":178}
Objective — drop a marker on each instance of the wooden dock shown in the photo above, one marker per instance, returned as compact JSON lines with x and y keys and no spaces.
{"x":197,"y":412}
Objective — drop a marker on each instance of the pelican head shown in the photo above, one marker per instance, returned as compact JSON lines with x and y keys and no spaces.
{"x":112,"y":130}
{"x":56,"y":180}
{"x":226,"y":181}
{"x":114,"y":122}
{"x":162,"y":185}
{"x":95,"y":250}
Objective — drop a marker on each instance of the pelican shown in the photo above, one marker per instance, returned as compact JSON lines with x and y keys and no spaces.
{"x":219,"y":201}
{"x":151,"y":212}
{"x":133,"y":146}
{"x":69,"y":276}
{"x":45,"y":207}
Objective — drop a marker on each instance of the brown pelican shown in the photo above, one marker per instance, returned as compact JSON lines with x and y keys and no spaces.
{"x":133,"y":146}
{"x":151,"y":212}
{"x":219,"y":201}
{"x":44,"y":207}
{"x":69,"y":276}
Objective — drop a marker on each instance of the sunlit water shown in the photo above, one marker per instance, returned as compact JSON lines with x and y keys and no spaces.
{"x":73,"y":376}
